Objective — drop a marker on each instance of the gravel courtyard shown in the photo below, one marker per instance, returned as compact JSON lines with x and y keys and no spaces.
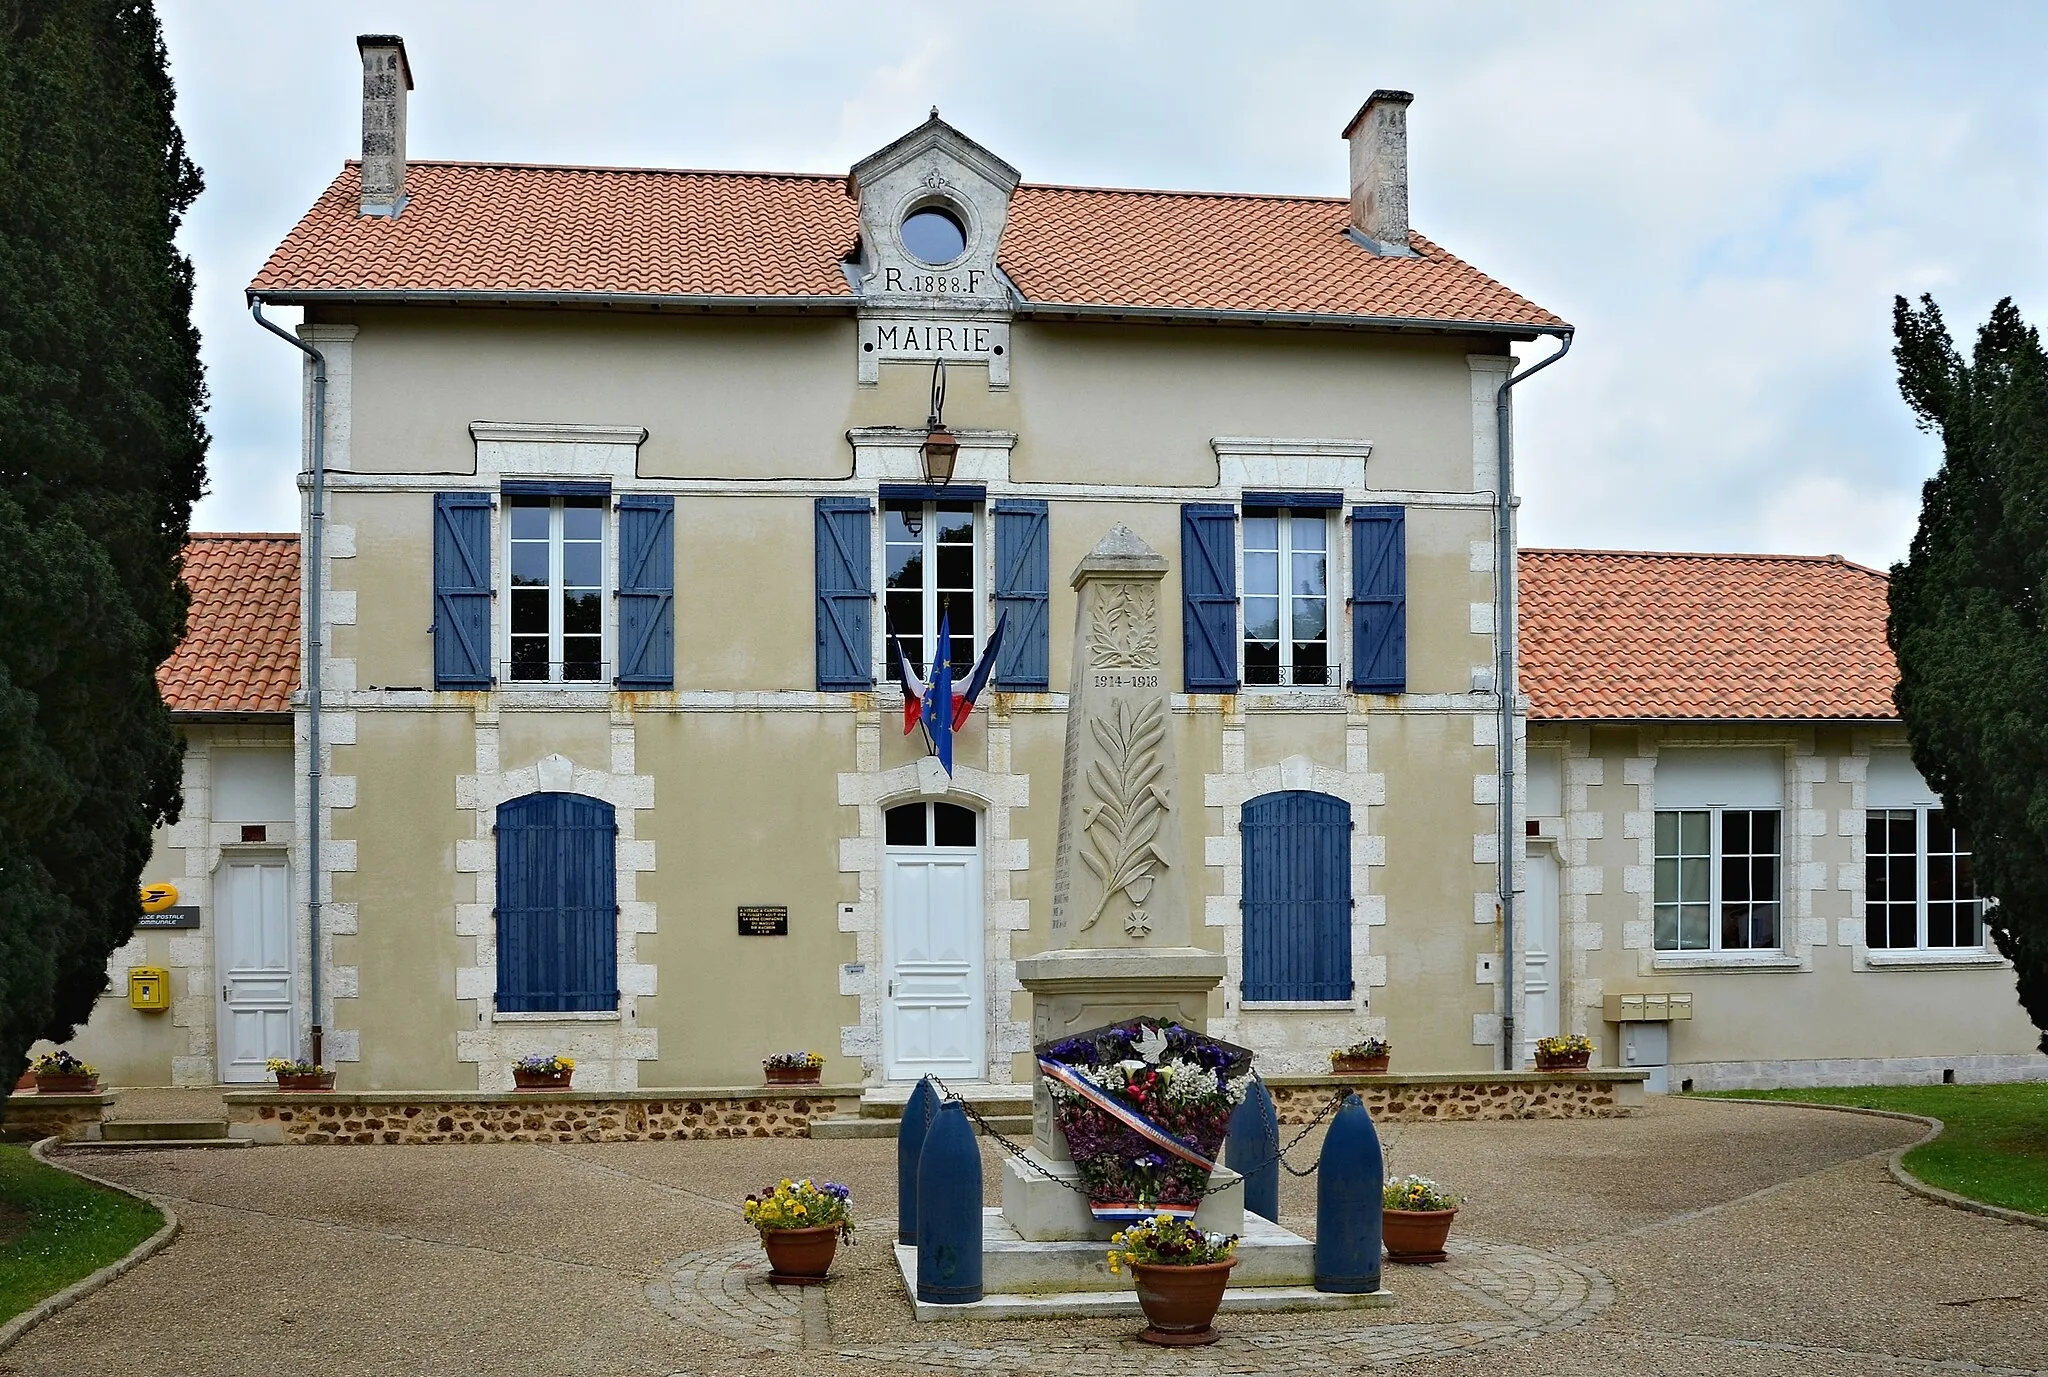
{"x":1699,"y":1237}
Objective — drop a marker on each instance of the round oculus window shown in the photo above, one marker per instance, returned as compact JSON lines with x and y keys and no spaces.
{"x":934,"y":235}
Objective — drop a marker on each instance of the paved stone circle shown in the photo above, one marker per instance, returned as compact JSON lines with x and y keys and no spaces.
{"x":1520,"y":1293}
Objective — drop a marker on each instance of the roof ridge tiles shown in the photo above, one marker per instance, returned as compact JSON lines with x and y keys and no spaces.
{"x":1733,"y":555}
{"x":646,"y":169}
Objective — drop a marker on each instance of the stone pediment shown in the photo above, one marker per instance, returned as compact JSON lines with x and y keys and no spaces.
{"x":937,"y":172}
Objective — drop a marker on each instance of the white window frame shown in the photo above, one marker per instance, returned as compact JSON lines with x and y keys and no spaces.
{"x":608,"y":582}
{"x":1715,"y":855}
{"x":1333,"y":629}
{"x":1921,"y":857}
{"x":979,"y":595}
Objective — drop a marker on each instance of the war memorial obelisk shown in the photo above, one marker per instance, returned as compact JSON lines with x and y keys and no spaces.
{"x":1122,"y":933}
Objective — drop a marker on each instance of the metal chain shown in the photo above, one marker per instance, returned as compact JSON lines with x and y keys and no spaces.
{"x":1023,"y":1154}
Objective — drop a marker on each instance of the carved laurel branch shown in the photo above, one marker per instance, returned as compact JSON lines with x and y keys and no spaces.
{"x":1130,"y":804}
{"x":1124,"y":632}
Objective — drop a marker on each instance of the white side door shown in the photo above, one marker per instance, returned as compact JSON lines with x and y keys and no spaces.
{"x":253,"y":956}
{"x":932,"y":951}
{"x":1540,"y":974}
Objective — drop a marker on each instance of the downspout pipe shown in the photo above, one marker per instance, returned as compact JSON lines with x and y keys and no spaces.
{"x":314,"y":646}
{"x":1504,"y":636}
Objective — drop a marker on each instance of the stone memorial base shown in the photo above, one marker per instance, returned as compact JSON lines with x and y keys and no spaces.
{"x":1040,"y":1211}
{"x":1022,"y":1279}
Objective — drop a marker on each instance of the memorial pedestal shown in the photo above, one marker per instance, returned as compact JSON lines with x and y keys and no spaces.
{"x":1038,"y":1210}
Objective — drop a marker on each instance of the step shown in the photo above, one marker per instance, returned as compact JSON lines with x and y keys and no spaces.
{"x":154,"y":1144}
{"x":1017,"y":1126}
{"x":162,"y":1130}
{"x":887,"y":1101}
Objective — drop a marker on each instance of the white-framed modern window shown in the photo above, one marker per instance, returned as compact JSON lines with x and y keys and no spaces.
{"x":1918,"y":889}
{"x":1287,"y":639}
{"x":1717,"y":879}
{"x":557,"y":572}
{"x":1719,"y":851}
{"x":932,"y":569}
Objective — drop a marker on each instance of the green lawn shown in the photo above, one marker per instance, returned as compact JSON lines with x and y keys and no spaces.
{"x":1994,"y":1147}
{"x":55,"y":1228}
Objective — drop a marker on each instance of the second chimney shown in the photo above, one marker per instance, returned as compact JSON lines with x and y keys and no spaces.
{"x":1378,"y":134}
{"x":387,"y":76}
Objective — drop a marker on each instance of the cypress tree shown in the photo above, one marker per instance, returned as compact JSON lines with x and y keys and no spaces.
{"x":1967,"y":614}
{"x":102,"y":454}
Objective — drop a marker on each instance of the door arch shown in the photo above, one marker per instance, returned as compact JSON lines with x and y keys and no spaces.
{"x":933,"y":1012}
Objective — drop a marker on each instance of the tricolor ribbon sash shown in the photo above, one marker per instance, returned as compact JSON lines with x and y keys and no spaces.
{"x":1151,"y":1132}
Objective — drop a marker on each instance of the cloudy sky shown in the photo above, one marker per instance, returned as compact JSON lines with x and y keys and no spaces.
{"x":1722,"y":198}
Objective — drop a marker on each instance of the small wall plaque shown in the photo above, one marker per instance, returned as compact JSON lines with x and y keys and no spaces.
{"x":764,"y":920}
{"x":180,"y":916}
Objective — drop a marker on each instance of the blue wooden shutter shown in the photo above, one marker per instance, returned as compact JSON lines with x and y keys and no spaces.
{"x":1023,"y":584}
{"x":462,"y":590}
{"x":558,"y":912}
{"x":1379,"y":599}
{"x":1208,"y":585}
{"x":1297,"y":896}
{"x":845,"y":594}
{"x":647,"y":592}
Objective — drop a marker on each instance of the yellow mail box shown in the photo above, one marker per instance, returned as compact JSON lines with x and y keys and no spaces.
{"x":149,"y":987}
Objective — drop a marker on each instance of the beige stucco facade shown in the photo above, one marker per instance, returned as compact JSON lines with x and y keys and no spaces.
{"x":238,"y":811}
{"x":749,"y":786}
{"x":1823,"y":1008}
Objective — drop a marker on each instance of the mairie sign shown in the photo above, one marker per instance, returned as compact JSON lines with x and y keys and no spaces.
{"x":956,"y":339}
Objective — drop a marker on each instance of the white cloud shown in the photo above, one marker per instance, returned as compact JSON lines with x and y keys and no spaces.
{"x":1723,"y":198}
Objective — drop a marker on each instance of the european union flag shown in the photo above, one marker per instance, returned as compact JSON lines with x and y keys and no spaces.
{"x":938,"y":696}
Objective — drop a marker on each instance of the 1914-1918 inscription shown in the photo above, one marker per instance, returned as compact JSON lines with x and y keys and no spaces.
{"x":764,"y":920}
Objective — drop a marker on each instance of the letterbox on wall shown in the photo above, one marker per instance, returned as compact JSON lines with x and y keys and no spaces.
{"x":149,"y":987}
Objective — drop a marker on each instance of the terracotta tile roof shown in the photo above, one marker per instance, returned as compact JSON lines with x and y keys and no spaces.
{"x":489,"y":227}
{"x":1616,"y":634}
{"x":241,"y":648}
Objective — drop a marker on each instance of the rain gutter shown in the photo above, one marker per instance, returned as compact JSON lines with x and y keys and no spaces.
{"x":1504,"y":685}
{"x":314,"y":645}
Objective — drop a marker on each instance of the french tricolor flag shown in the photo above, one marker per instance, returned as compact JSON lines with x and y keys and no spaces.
{"x":942,"y":710}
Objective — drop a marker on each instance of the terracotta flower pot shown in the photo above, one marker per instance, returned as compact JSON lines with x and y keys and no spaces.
{"x":793,"y":1075}
{"x":1416,"y":1235}
{"x":323,"y":1081}
{"x":1360,"y":1066}
{"x":1565,"y":1061}
{"x":26,"y":1081}
{"x":1181,"y":1301}
{"x":66,"y":1085}
{"x":800,"y":1257}
{"x":540,"y":1080}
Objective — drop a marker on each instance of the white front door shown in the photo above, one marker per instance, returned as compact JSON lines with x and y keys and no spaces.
{"x":1540,"y":975}
{"x":253,"y":951}
{"x":932,"y":955}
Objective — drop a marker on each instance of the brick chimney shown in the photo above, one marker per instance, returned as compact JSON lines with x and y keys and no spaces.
{"x":1378,"y":134}
{"x":387,"y":76}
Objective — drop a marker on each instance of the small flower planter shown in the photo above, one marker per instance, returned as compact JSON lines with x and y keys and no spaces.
{"x":1563,"y":1061}
{"x":47,"y":1084}
{"x":323,"y":1080}
{"x":794,"y":1075}
{"x":540,"y":1080}
{"x":1416,"y":1235}
{"x":1181,"y":1302}
{"x":800,"y":1257}
{"x":1359,"y":1066}
{"x":25,"y":1083}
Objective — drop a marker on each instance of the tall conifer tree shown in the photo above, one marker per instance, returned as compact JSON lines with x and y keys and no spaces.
{"x":102,"y":453}
{"x":1969,"y":613}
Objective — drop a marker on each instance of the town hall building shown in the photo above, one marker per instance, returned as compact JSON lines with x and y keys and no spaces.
{"x":573,"y":718}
